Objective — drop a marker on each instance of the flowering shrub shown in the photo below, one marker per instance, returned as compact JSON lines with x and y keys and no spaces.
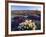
{"x":27,"y":25}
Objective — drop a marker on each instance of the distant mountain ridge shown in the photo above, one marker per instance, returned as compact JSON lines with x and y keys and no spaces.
{"x":25,"y":12}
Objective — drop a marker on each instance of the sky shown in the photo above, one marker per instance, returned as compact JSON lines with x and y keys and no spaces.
{"x":13,"y":7}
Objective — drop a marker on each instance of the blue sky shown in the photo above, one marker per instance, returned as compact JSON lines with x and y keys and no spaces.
{"x":13,"y":7}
